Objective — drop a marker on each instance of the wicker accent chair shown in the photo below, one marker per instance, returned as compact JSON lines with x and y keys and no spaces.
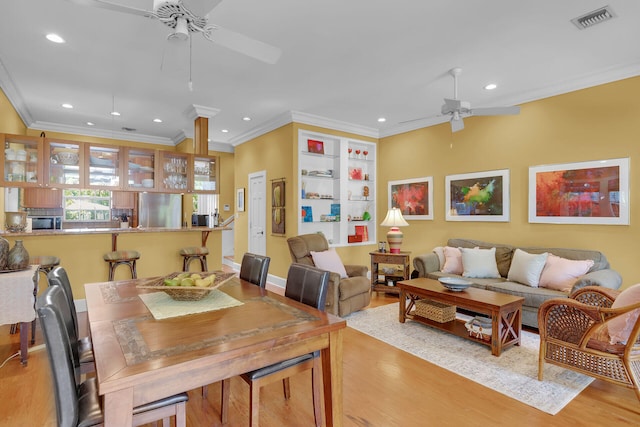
{"x":345,"y":295}
{"x":573,"y":335}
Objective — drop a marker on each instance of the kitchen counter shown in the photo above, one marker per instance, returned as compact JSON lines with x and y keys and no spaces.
{"x":81,"y":250}
{"x":68,"y":231}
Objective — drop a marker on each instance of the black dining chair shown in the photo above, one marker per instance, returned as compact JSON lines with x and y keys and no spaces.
{"x":309,"y":286}
{"x":254,"y":268}
{"x":79,"y":404}
{"x":82,"y":346}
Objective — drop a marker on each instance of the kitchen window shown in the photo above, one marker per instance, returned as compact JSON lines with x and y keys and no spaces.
{"x":86,"y":205}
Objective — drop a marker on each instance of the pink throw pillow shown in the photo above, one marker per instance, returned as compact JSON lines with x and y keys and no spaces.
{"x":329,"y":260}
{"x":452,"y":261}
{"x":561,"y":273}
{"x":621,"y":326}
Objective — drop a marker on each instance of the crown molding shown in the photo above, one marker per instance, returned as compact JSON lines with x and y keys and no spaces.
{"x":195,"y":111}
{"x":84,"y":130}
{"x":14,"y":96}
{"x":268,"y":126}
{"x":306,"y":119}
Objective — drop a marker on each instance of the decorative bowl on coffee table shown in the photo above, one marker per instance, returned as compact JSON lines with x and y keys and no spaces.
{"x":454,"y":284}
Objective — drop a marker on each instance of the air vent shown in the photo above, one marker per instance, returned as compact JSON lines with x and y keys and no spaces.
{"x":593,"y":18}
{"x":126,"y":129}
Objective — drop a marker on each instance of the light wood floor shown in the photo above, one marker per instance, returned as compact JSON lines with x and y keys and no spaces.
{"x":383,"y":386}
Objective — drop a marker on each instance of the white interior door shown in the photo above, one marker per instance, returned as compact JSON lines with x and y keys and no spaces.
{"x":257,"y":208}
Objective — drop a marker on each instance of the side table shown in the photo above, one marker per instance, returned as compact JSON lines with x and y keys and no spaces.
{"x":377,"y":258}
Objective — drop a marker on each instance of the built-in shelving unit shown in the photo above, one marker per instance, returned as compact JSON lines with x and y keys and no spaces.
{"x":337,"y":188}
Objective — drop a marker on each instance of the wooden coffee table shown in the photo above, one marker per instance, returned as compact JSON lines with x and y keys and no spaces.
{"x":504,"y":310}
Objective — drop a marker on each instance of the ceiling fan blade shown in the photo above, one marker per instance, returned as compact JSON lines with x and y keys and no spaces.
{"x":457,"y":125}
{"x":201,"y":7}
{"x":103,"y":4}
{"x":246,"y":45}
{"x":495,"y":111}
{"x":450,"y":105}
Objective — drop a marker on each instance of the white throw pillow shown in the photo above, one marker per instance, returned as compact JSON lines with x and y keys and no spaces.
{"x":526,"y":268}
{"x":452,"y":260}
{"x":561,"y":273}
{"x":480,"y":263}
{"x":329,"y":260}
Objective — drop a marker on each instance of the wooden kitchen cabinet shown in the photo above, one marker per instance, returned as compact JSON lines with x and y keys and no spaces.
{"x":20,"y":160}
{"x":42,"y":198}
{"x":123,"y":199}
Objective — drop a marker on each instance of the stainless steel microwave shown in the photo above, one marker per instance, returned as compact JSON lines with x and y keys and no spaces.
{"x":46,"y":222}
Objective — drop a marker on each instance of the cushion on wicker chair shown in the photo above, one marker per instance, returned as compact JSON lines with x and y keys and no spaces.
{"x":195,"y":250}
{"x":118,"y":255}
{"x":620,"y":327}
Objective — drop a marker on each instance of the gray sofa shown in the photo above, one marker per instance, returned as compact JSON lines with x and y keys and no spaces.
{"x":428,"y":265}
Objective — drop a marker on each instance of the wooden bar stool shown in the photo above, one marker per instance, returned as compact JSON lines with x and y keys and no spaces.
{"x":194,"y":252}
{"x":45,"y":264}
{"x":116,"y":258}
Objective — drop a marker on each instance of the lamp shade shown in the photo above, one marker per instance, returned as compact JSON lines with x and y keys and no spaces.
{"x":394,"y":220}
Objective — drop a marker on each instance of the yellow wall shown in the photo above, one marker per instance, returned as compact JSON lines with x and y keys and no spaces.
{"x":276,"y":152}
{"x":272,"y":153}
{"x":591,"y":124}
{"x":10,"y":121}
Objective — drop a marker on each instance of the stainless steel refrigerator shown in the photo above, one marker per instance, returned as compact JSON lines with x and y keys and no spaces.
{"x":160,"y":210}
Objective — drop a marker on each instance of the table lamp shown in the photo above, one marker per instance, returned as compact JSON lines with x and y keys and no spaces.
{"x":394,"y":220}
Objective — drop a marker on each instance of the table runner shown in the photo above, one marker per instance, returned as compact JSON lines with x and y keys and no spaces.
{"x":162,"y":306}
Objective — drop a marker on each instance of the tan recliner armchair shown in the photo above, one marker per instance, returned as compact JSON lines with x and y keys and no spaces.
{"x":345,"y":295}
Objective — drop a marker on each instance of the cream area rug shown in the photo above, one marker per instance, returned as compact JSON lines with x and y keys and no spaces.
{"x":514,"y":373}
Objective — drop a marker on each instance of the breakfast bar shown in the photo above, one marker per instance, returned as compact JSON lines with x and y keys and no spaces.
{"x":81,"y":249}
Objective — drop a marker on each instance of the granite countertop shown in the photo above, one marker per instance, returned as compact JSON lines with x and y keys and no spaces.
{"x":71,"y":231}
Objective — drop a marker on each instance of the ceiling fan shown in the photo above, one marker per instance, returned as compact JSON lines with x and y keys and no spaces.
{"x":458,"y":109}
{"x":193,"y":19}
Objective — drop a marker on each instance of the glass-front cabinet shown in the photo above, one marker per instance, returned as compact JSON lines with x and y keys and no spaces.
{"x":104,"y":168}
{"x":140,"y":169}
{"x":21,"y":160}
{"x":63,"y":163}
{"x":337,"y":188}
{"x":174,"y":172}
{"x":205,"y":174}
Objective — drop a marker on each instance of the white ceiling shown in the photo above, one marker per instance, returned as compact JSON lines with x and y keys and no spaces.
{"x":349,"y":62}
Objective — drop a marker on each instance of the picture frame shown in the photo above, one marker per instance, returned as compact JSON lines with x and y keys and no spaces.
{"x":478,"y":196}
{"x":591,"y":192}
{"x":278,"y":216}
{"x":315,"y":146}
{"x":240,"y":200}
{"x":414,"y":197}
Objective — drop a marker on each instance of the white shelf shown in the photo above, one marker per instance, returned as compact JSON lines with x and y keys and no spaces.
{"x":348,"y":193}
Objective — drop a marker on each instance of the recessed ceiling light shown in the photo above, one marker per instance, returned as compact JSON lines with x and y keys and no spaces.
{"x":90,"y":124}
{"x":224,"y":130}
{"x":382,"y":120}
{"x":55,"y":38}
{"x":115,"y":113}
{"x":246,"y":118}
{"x":67,"y":106}
{"x":157,"y":120}
{"x":491,"y":86}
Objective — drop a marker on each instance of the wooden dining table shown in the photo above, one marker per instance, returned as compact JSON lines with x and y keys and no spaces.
{"x":140,"y":359}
